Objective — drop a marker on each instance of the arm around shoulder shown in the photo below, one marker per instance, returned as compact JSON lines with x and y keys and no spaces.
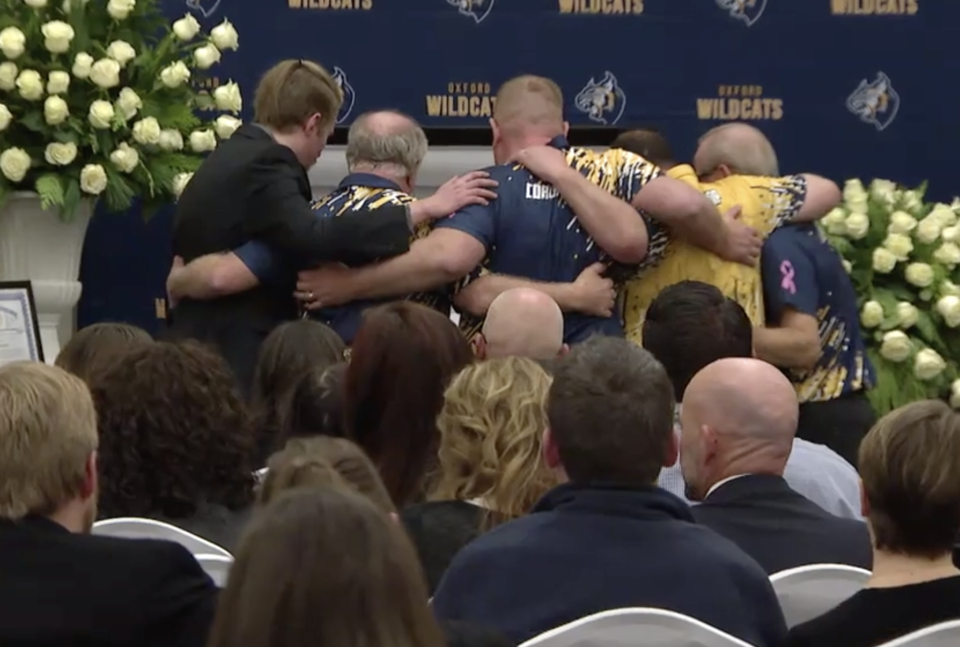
{"x":821,"y":196}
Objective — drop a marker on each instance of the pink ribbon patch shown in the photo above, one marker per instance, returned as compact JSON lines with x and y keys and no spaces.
{"x":786,"y":277}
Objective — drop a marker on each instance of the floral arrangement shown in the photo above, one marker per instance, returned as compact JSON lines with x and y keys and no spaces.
{"x":903,"y":256}
{"x":101,"y":100}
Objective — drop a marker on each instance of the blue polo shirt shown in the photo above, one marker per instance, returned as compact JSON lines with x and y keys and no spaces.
{"x":529,"y":231}
{"x":800,"y":270}
{"x":356,"y":191}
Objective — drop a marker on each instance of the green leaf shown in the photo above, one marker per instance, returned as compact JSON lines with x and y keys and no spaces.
{"x":119,"y":193}
{"x":50,"y":189}
{"x":71,"y":199}
{"x":33,"y":120}
{"x":105,"y":142}
{"x":178,"y":116}
{"x":66,"y":137}
{"x":204,"y":101}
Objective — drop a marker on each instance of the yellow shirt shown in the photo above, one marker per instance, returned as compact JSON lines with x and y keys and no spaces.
{"x":766,"y":202}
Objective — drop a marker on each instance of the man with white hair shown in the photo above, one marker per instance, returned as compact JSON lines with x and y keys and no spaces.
{"x":521,"y":322}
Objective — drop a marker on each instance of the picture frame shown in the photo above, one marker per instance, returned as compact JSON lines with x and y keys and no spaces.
{"x":19,"y":325}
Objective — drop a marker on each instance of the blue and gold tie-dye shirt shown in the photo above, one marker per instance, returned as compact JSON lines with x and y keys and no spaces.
{"x":356,"y":191}
{"x":802,"y":272}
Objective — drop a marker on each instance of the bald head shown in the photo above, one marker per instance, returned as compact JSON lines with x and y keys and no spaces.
{"x":529,"y":101}
{"x":387,"y":142}
{"x":523,"y":323}
{"x":740,"y":147}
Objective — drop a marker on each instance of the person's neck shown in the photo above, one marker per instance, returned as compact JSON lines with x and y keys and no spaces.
{"x":290,"y":140}
{"x":509,"y":147}
{"x":895,"y":569}
{"x":71,"y":516}
{"x":403,"y":183}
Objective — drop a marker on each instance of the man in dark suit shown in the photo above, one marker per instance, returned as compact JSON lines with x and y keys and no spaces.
{"x":739,"y":418}
{"x":59,"y":584}
{"x":254,"y":186}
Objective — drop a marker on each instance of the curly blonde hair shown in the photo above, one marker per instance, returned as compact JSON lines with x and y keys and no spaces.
{"x":491,"y":428}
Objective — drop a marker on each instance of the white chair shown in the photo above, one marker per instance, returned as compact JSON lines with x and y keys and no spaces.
{"x":217,"y":567}
{"x":809,"y":591}
{"x":136,"y":528}
{"x":633,"y":627}
{"x":945,"y":634}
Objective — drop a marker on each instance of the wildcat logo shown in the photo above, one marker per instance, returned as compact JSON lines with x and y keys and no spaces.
{"x":349,"y":96}
{"x":875,"y":102}
{"x":746,"y":11}
{"x":476,"y":9}
{"x":602,"y":101}
{"x":205,"y":8}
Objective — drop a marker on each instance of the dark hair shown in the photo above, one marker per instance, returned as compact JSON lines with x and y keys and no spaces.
{"x":610,"y":409}
{"x":316,"y":408}
{"x":648,"y":143}
{"x":173,"y":433}
{"x":94,"y":348}
{"x":402,"y":358}
{"x":289,"y":352}
{"x":324,"y":566}
{"x":691,"y":325}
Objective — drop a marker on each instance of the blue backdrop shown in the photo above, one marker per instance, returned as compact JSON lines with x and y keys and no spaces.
{"x":844,"y":88}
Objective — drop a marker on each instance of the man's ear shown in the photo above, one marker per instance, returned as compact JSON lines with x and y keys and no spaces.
{"x":495,"y":128}
{"x":88,"y":488}
{"x":566,"y":128}
{"x":478,"y":343}
{"x":672,"y":454}
{"x":725,"y":171}
{"x":551,"y":456}
{"x":564,"y":349}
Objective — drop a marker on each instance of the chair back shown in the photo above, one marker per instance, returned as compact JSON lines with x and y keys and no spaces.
{"x":945,"y":634}
{"x":137,"y":528}
{"x":633,"y":627}
{"x":809,"y":591}
{"x":217,"y":567}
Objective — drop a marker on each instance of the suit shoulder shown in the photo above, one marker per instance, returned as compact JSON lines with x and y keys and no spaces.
{"x":150,"y":554}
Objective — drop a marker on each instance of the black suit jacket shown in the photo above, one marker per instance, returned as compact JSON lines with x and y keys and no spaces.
{"x":781,"y":528}
{"x":59,"y":589}
{"x":251,"y":187}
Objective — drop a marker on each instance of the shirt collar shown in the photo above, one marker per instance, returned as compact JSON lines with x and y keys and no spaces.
{"x":559,"y":142}
{"x":719,"y":484}
{"x":368,"y":180}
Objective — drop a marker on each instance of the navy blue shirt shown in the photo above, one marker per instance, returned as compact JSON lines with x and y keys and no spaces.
{"x":529,"y":231}
{"x":800,"y":270}
{"x":356,"y":191}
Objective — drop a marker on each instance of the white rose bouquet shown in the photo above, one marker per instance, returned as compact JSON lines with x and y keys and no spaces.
{"x":903,"y":256}
{"x":100,"y":100}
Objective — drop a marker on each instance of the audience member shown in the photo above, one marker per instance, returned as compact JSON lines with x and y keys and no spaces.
{"x":317,"y":405}
{"x":690,"y":325}
{"x":739,"y":420}
{"x":910,"y":463}
{"x":491,"y":466}
{"x":400,"y":362}
{"x":521,"y":322}
{"x":98,"y":346}
{"x":175,"y":441}
{"x":608,"y":539}
{"x":60,"y":585}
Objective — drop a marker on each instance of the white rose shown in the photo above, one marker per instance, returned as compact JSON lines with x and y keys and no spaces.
{"x":93,"y":179}
{"x":58,"y":82}
{"x":174,"y":75}
{"x":14,"y":164}
{"x":120,"y":9}
{"x":928,"y":364}
{"x":857,"y":225}
{"x":146,"y":131}
{"x":225,"y":125}
{"x":919,"y":274}
{"x":101,"y":114}
{"x":910,"y":200}
{"x":944,"y":214}
{"x":847,"y":266}
{"x":128,"y":103}
{"x":224,"y":36}
{"x":871,"y":315}
{"x":884,"y":191}
{"x":55,"y":110}
{"x":949,"y":309}
{"x":105,"y":73}
{"x":883,"y":260}
{"x":228,"y":99}
{"x":834,"y":222}
{"x":853,"y":188}
{"x":82,"y":64}
{"x":186,"y":28}
{"x":5,"y":117}
{"x":12,"y":42}
{"x":951,"y":234}
{"x":901,"y":222}
{"x":895,"y":346}
{"x":202,"y":141}
{"x":858,"y":204}
{"x":899,"y":245}
{"x":36,"y":4}
{"x":171,"y":140}
{"x":8,"y":76}
{"x":928,"y":230}
{"x":30,"y":85}
{"x":206,"y":56}
{"x":57,"y":36}
{"x":907,"y":314}
{"x":947,"y":254}
{"x":60,"y":154}
{"x":955,"y":205}
{"x":949,"y":288}
{"x":121,"y":51}
{"x":180,"y":181}
{"x":125,"y":158}
{"x":955,"y":394}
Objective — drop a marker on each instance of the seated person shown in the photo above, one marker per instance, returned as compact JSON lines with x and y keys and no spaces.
{"x":523,"y":322}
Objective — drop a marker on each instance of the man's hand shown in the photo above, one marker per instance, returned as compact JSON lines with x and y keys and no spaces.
{"x":546,"y":162}
{"x":175,"y":270}
{"x":325,"y":286}
{"x":595,"y":295}
{"x":455,"y":194}
{"x":743,"y":242}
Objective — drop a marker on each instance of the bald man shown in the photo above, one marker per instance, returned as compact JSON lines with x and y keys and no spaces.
{"x":521,"y":322}
{"x":738,"y":419}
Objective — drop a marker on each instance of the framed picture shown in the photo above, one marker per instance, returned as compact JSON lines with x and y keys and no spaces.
{"x":19,"y":328}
